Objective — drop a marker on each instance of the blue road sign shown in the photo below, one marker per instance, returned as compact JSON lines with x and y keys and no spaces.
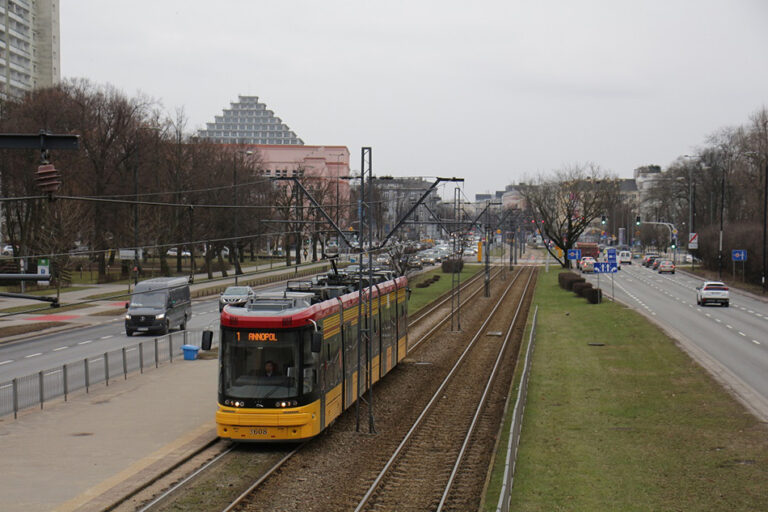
{"x":611,"y":255}
{"x":574,"y":254}
{"x":606,"y":267}
{"x":739,"y":255}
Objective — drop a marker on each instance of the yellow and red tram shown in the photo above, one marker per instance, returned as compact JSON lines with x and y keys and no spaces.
{"x":288,"y":361}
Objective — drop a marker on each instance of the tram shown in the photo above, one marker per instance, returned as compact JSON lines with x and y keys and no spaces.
{"x":288,"y":361}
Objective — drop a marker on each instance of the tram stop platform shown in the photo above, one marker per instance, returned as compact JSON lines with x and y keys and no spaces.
{"x":89,"y":452}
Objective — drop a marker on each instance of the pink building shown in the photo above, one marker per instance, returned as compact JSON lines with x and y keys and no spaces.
{"x":328,"y":164}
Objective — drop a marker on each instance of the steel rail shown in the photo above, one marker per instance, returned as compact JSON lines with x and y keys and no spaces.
{"x":364,"y":501}
{"x":445,"y":320}
{"x":445,"y":299}
{"x":481,"y":402}
{"x":180,"y":484}
{"x":258,"y":482}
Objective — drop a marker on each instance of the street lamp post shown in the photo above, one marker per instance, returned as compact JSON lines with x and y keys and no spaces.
{"x":722,"y":211}
{"x":765,"y":218}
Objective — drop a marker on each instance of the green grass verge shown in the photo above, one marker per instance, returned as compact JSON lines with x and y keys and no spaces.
{"x":632,"y":425}
{"x":14,"y":330}
{"x":420,"y":297}
{"x":47,"y":310}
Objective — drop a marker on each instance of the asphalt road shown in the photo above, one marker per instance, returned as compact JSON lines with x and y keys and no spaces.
{"x":50,"y":351}
{"x":733,"y":338}
{"x":25,"y":357}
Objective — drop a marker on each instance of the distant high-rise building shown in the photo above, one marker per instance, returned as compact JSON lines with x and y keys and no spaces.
{"x":29,"y":46}
{"x":248,"y":121}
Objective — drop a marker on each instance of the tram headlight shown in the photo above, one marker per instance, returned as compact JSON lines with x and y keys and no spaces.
{"x":160,"y":316}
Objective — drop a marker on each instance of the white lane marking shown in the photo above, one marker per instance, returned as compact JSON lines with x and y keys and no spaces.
{"x":33,"y":355}
{"x":755,"y":342}
{"x":742,"y":334}
{"x":759,"y":314}
{"x":85,"y":342}
{"x":750,"y":311}
{"x":105,"y":337}
{"x":717,"y":320}
{"x":6,"y":362}
{"x":728,"y":326}
{"x":60,"y":348}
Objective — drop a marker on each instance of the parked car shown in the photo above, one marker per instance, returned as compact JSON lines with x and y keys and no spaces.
{"x":712,"y":292}
{"x":7,"y":250}
{"x":587,"y":264}
{"x":235,"y":296}
{"x":656,"y":263}
{"x":174,"y":252}
{"x":666,"y":266}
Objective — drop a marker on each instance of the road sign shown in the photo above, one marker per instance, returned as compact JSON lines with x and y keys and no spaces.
{"x":43,"y":268}
{"x":574,"y":254}
{"x":611,"y":255}
{"x":606,"y":267}
{"x":693,"y":240}
{"x":739,"y":255}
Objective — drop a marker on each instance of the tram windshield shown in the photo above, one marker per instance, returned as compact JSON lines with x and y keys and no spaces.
{"x":260,"y":365}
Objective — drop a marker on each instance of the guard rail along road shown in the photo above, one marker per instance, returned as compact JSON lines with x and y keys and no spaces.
{"x":517,"y":423}
{"x":36,"y":389}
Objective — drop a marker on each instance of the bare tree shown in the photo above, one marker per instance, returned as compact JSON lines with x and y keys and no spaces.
{"x":565,"y":203}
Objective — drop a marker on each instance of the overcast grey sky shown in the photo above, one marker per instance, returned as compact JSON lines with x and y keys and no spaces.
{"x":492,"y":91}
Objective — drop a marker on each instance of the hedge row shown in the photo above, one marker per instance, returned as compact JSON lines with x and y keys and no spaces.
{"x":575,"y":283}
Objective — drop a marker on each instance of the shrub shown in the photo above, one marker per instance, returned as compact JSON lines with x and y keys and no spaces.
{"x":565,"y":277}
{"x":452,"y":266}
{"x":569,"y":284}
{"x":594,"y":295}
{"x":584,"y":290}
{"x":579,"y":288}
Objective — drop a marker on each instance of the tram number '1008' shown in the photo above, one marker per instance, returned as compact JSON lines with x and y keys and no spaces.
{"x":258,"y":431}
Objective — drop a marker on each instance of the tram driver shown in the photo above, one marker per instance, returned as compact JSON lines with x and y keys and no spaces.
{"x":270,"y":369}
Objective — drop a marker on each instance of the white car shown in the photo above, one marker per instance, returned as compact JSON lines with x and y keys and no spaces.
{"x":712,"y":292}
{"x":625,"y":257}
{"x":587,"y":264}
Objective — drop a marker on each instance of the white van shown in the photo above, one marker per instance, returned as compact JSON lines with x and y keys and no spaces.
{"x":625,"y":257}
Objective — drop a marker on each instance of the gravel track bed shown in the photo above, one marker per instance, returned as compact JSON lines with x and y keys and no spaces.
{"x":417,"y":479}
{"x":333,"y":471}
{"x":214,"y":488}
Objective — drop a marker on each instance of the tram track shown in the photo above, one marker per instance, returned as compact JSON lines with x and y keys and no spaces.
{"x":159,"y":495}
{"x":421,"y":472}
{"x":338,"y":468}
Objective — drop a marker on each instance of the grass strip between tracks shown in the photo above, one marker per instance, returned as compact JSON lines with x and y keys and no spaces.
{"x":632,"y":425}
{"x":421,"y":297}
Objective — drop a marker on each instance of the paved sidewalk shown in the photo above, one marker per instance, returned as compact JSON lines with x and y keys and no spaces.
{"x":85,"y":454}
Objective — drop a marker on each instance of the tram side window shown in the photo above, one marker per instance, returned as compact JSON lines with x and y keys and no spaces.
{"x":311,"y":359}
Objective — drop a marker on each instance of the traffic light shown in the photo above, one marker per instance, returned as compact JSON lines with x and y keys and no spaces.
{"x":602,"y":220}
{"x":637,"y":220}
{"x":674,"y":243}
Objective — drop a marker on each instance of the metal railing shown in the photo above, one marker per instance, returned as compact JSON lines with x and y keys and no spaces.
{"x":41,"y":387}
{"x":516,"y":425}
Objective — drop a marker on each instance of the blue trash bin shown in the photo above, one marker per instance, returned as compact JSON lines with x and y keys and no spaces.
{"x":190,"y":352}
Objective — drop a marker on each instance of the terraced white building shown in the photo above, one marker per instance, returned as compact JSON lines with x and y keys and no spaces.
{"x":248,"y":121}
{"x":29,"y":46}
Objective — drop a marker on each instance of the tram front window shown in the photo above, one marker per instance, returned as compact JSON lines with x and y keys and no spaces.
{"x":256,"y":369}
